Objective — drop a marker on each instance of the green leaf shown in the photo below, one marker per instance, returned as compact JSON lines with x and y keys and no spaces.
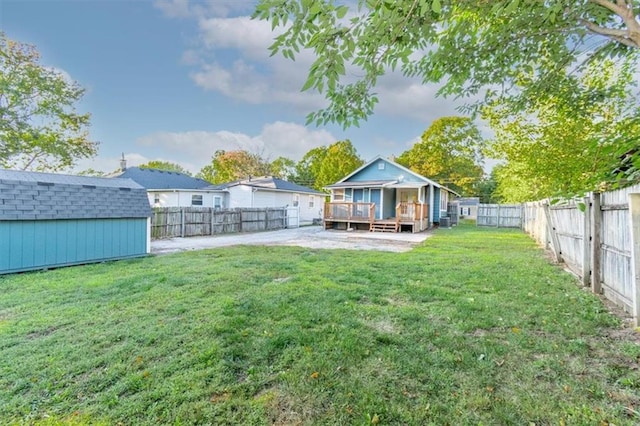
{"x":341,"y":11}
{"x":436,"y":6}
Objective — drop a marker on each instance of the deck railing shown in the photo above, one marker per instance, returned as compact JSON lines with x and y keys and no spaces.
{"x":350,"y":211}
{"x":411,"y":211}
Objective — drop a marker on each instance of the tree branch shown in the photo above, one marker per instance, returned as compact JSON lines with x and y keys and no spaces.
{"x":618,"y":9}
{"x":629,"y":36}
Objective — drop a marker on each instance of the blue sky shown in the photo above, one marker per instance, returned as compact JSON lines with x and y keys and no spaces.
{"x":177,"y":80}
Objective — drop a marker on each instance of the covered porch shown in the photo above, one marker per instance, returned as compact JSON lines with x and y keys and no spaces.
{"x":409,"y":216}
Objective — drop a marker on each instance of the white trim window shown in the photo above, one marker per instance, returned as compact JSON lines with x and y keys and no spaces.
{"x":296,"y":200}
{"x":196,"y":200}
{"x":444,"y":196}
{"x":312,"y":201}
{"x":338,"y":194}
{"x":217,"y":202}
{"x":156,"y":199}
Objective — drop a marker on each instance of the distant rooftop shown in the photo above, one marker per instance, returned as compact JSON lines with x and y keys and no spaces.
{"x":162,"y":179}
{"x":269,"y":182}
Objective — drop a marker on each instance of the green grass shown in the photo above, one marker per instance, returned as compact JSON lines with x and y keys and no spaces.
{"x":472,"y":327}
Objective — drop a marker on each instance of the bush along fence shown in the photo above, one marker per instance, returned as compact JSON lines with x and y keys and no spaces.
{"x":168,"y":222}
{"x":598,"y":238}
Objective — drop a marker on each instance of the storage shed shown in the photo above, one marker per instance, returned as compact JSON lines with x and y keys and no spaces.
{"x":50,"y":220}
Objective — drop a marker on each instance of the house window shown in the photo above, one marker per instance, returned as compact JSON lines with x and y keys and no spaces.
{"x":338,"y":195}
{"x":196,"y":200}
{"x":217,"y":202}
{"x":465,"y":211}
{"x":381,"y":166}
{"x":156,"y":199}
{"x":443,"y":199}
{"x":296,"y":200}
{"x":312,"y":201}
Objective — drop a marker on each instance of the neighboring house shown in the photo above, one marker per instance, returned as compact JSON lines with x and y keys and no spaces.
{"x":467,"y":208}
{"x":49,"y":220}
{"x":384,"y":196}
{"x":269,"y":191}
{"x":173,"y":189}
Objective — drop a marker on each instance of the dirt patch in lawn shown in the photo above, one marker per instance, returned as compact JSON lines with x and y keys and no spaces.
{"x":310,"y":236}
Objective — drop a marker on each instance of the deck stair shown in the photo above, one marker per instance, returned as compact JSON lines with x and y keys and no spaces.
{"x":384,"y":227}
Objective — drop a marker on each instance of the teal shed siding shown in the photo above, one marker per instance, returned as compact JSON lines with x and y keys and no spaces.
{"x":50,"y":220}
{"x":28,"y":245}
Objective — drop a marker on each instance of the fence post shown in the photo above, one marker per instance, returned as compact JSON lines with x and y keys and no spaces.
{"x":182,"y":224}
{"x":266,"y":219}
{"x":586,"y":243}
{"x":634,"y":228}
{"x":213,"y":213}
{"x":596,"y":220}
{"x":498,"y":218}
{"x":552,"y":232}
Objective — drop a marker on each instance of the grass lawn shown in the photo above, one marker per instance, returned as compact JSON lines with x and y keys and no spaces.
{"x":472,"y":327}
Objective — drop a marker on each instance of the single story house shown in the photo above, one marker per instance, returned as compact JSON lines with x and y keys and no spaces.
{"x":383,"y":195}
{"x":467,"y":207}
{"x":173,"y":189}
{"x":49,"y":220}
{"x":269,"y":191}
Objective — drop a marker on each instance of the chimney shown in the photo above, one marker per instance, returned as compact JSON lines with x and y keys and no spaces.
{"x":123,"y":163}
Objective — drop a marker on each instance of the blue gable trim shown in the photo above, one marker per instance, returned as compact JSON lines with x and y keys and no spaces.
{"x":389,"y":172}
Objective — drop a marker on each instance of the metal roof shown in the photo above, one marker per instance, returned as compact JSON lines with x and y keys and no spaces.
{"x":42,"y":196}
{"x":161,"y":179}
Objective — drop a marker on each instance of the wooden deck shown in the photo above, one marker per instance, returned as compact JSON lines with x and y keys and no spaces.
{"x":343,"y":215}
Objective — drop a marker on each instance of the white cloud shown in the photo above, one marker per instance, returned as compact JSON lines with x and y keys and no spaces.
{"x":194,"y":149}
{"x":202,"y":8}
{"x":243,"y":69}
{"x":174,"y":8}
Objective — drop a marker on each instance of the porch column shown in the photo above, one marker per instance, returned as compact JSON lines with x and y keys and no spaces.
{"x":430,"y":205}
{"x":381,"y":204}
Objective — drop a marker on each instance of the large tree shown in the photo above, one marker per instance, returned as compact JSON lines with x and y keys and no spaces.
{"x":472,"y":47}
{"x":448,"y":152}
{"x":283,"y":168}
{"x":40,"y":128}
{"x":165,"y":165}
{"x":308,"y":168}
{"x":567,"y":142}
{"x":228,"y":166}
{"x":341,"y":159}
{"x":324,"y":165}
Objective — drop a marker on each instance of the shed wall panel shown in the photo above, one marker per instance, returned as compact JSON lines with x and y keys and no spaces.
{"x":29,"y":245}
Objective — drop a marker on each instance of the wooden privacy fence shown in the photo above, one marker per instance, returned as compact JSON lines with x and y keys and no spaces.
{"x":168,"y":222}
{"x":500,"y":215}
{"x":598,"y":238}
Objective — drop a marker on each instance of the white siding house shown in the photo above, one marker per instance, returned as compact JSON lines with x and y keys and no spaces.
{"x":187,"y":198}
{"x":268,"y":191}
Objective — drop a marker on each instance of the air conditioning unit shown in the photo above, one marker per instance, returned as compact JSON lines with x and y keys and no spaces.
{"x":444,"y":222}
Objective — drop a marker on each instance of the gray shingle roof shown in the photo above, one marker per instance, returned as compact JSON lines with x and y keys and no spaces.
{"x":269,"y":182}
{"x":43,"y":196}
{"x":161,"y":179}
